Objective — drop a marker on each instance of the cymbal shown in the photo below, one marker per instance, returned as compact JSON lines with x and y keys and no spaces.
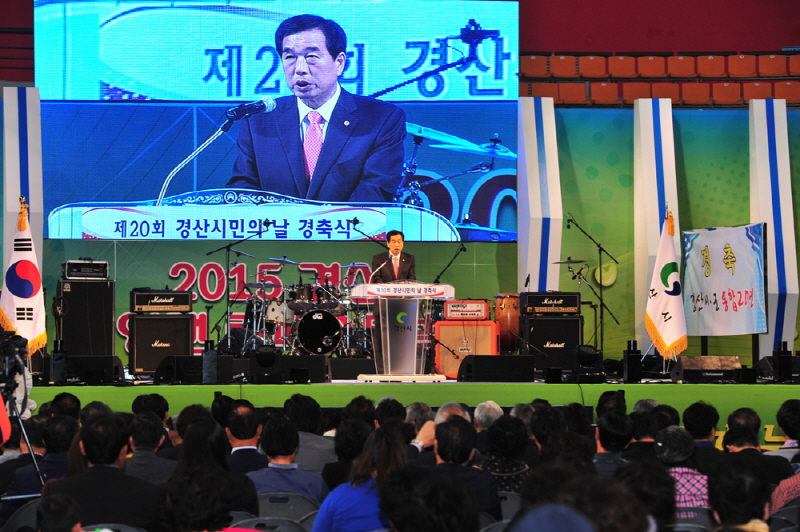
{"x":283,"y":259}
{"x":570,"y":261}
{"x":497,"y":151}
{"x":263,"y":285}
{"x":432,"y":134}
{"x":354,"y":265}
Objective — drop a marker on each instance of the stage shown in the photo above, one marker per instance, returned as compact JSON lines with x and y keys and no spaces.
{"x":764,"y":398}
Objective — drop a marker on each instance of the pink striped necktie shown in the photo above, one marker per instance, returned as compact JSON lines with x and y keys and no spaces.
{"x":396,"y":261}
{"x":313,"y":142}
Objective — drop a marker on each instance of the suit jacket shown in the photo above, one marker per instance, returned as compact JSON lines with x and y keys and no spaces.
{"x":246,"y":460}
{"x":145,"y":465}
{"x":105,"y":494}
{"x":314,"y":452}
{"x":361,"y":158}
{"x":775,"y":469}
{"x":26,"y":481}
{"x":479,"y":482}
{"x":407,"y":268}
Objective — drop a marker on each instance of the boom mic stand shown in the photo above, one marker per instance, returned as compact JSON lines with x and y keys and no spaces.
{"x":461,"y":248}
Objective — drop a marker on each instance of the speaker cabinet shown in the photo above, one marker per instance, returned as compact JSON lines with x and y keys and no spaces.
{"x":94,"y":370}
{"x":348,"y":369}
{"x":788,"y":367}
{"x":156,"y":336}
{"x":299,"y":369}
{"x":183,"y":369}
{"x":500,"y":368}
{"x":84,"y":312}
{"x":706,"y":369}
{"x":464,"y":338}
{"x":552,"y":340}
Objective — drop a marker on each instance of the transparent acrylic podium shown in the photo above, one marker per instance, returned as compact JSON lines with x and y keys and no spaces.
{"x":398,"y":306}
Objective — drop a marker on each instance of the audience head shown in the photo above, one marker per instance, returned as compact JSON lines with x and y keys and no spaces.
{"x":350,"y":437}
{"x":189,"y":415}
{"x":608,"y":505}
{"x":645,"y":405}
{"x":611,"y":400}
{"x":280,"y":438}
{"x":34,"y":428}
{"x":645,"y":425}
{"x":205,"y":448}
{"x":539,"y":403}
{"x":304,"y":412}
{"x":508,"y":437}
{"x":151,"y":402}
{"x":545,"y":422}
{"x":666,"y":415}
{"x":740,"y":437}
{"x":103,"y":440}
{"x":745,"y":416}
{"x":419,"y":414}
{"x":12,"y":443}
{"x":58,"y":513}
{"x":146,"y":431}
{"x":652,"y":484}
{"x":614,"y":431}
{"x":331,"y":419}
{"x":550,"y":518}
{"x":221,"y":407}
{"x":523,"y":411}
{"x":788,"y":418}
{"x":487,"y":413}
{"x":66,"y":404}
{"x":578,"y":420}
{"x":700,"y":420}
{"x":545,"y":481}
{"x":384,"y":453}
{"x":389,"y":408}
{"x":94,"y":410}
{"x":674,"y":446}
{"x":415,"y":499}
{"x":455,"y":440}
{"x":565,"y":442}
{"x":360,"y":408}
{"x":59,"y":431}
{"x":243,"y":423}
{"x":738,"y":494}
{"x":450,"y":409}
{"x":199,"y":501}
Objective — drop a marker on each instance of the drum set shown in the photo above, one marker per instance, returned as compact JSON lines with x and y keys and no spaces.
{"x":316,"y":319}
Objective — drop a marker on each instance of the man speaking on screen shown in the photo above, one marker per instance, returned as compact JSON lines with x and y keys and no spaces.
{"x":323,"y":143}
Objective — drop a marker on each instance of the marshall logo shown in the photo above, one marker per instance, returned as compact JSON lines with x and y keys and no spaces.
{"x":554,"y":344}
{"x":548,"y":301}
{"x":159,"y":299}
{"x":159,"y":343}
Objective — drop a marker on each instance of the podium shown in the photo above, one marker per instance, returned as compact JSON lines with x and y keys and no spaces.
{"x":398,"y":308}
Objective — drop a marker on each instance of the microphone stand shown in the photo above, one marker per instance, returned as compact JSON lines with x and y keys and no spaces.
{"x":228,"y":248}
{"x":369,"y":237}
{"x":600,"y":251}
{"x":460,"y":249}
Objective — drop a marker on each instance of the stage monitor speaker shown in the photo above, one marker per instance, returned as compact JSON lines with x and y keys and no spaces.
{"x":298,"y":369}
{"x":188,"y":369}
{"x":84,"y":312}
{"x":464,"y":338}
{"x":499,"y":368}
{"x":789,"y":367}
{"x":706,"y":369}
{"x":552,"y":340}
{"x":348,"y":369}
{"x":156,"y":336}
{"x":94,"y":370}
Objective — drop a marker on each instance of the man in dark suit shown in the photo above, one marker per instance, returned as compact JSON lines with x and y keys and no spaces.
{"x":742,"y":445}
{"x":244,"y":430}
{"x":147,"y":435}
{"x":103,"y":492}
{"x":393,"y":265}
{"x":323,"y":143}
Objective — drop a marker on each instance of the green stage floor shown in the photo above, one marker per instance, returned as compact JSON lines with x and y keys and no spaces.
{"x":764,"y":398}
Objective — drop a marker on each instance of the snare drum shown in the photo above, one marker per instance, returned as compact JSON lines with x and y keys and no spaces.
{"x":506,"y":314}
{"x":318,"y":332}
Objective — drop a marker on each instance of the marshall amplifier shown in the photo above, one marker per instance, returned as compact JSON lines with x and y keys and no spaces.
{"x":154,"y":337}
{"x":161,"y":301}
{"x":550,"y":302}
{"x":468,"y":309}
{"x":552,"y":340}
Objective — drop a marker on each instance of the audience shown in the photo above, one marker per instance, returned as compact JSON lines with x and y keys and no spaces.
{"x":633,"y":472}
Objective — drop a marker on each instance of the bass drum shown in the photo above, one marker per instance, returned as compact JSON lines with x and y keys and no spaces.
{"x":318,"y":332}
{"x":506,"y":314}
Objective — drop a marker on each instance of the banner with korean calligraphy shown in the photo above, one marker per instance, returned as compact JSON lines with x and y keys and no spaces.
{"x":724,"y":280}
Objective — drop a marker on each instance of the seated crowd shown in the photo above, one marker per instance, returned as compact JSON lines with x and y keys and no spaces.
{"x":386,"y":466}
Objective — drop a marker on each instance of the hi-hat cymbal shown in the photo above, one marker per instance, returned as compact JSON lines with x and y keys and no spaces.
{"x":432,"y":134}
{"x":570,"y":261}
{"x":497,"y":151}
{"x":354,"y":265}
{"x":283,"y":260}
{"x":263,"y":285}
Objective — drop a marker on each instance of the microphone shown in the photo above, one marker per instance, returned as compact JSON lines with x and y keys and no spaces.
{"x":568,"y":221}
{"x":246,"y":109}
{"x":267,"y":223}
{"x":378,"y":268}
{"x":463,"y":248}
{"x":527,"y":280}
{"x":354,"y":221}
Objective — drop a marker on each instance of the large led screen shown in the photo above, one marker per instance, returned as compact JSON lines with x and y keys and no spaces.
{"x":145,"y":135}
